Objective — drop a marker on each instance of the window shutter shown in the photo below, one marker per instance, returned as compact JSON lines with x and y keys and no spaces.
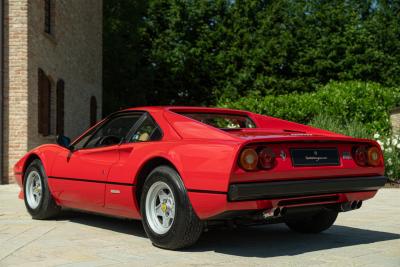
{"x":44,"y":99}
{"x":60,"y":107}
{"x":93,"y":110}
{"x":47,"y":16}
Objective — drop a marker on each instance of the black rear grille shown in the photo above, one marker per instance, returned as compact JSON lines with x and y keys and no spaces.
{"x":303,"y":157}
{"x":302,"y":188}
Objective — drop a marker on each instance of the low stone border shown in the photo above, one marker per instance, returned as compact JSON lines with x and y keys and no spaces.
{"x":392,"y":184}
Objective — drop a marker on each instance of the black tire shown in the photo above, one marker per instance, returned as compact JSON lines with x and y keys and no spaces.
{"x":47,"y":207}
{"x":186,"y":227}
{"x":314,"y":223}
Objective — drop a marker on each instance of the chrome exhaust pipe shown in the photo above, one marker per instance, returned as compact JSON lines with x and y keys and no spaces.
{"x":283,"y":211}
{"x":345,"y":206}
{"x":277,"y":212}
{"x":350,"y":205}
{"x":272,"y":213}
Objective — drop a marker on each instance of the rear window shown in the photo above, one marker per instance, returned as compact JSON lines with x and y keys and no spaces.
{"x":222,"y":121}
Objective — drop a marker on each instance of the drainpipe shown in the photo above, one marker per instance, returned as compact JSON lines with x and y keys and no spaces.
{"x":1,"y":87}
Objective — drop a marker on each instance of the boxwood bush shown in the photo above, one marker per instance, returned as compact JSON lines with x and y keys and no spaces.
{"x":368,"y":104}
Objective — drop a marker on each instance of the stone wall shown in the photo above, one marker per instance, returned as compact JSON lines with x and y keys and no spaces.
{"x":395,"y":120}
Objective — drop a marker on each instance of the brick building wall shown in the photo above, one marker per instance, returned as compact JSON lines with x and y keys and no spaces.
{"x":72,"y":53}
{"x":15,"y":102}
{"x":395,"y":120}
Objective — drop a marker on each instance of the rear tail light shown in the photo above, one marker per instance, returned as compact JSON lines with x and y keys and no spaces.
{"x":248,"y":159}
{"x":252,"y":159}
{"x":374,"y":156}
{"x":367,"y":156}
{"x":266,"y":158}
{"x":360,"y":155}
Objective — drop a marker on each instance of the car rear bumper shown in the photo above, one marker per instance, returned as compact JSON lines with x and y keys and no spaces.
{"x":209,"y":205}
{"x":297,"y":188}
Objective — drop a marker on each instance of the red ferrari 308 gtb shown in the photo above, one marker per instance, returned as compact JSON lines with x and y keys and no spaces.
{"x":182,"y":169}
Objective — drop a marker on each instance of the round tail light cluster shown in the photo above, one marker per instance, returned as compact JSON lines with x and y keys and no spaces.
{"x":266,"y":158}
{"x":252,"y":159}
{"x":248,"y":159}
{"x":367,"y":156}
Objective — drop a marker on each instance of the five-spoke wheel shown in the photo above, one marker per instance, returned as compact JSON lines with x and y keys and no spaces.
{"x":33,"y":189}
{"x":168,"y":217}
{"x":160,"y":207}
{"x":38,"y":200}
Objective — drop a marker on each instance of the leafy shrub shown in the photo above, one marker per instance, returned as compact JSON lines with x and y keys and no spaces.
{"x":391,"y":150}
{"x":366,"y":103}
{"x":390,"y":145}
{"x":351,"y":108}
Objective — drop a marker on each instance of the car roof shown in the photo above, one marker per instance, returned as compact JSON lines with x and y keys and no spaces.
{"x":189,"y":109}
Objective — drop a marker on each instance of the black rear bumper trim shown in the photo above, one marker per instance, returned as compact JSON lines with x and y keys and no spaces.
{"x":296,"y":188}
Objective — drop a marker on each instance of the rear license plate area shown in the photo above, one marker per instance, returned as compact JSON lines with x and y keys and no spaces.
{"x":304,"y":157}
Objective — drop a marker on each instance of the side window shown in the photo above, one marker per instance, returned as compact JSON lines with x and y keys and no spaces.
{"x":108,"y":133}
{"x":147,"y":131}
{"x":81,"y":142}
{"x":48,"y":16}
{"x":113,"y":131}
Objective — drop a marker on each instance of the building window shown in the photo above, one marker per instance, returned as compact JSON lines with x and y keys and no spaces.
{"x":60,"y":107}
{"x":48,"y":16}
{"x":44,"y":103}
{"x":93,"y":110}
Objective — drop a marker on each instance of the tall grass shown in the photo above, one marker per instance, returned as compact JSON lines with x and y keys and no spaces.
{"x":351,"y":128}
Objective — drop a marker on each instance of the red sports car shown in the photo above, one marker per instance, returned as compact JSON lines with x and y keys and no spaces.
{"x":182,"y":169}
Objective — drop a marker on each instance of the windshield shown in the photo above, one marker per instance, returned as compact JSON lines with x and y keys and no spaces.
{"x":222,"y":121}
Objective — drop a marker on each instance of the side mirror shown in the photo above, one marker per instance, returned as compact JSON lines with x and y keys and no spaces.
{"x":64,"y":141}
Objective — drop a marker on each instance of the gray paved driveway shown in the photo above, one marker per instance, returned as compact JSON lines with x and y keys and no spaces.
{"x":366,"y":237}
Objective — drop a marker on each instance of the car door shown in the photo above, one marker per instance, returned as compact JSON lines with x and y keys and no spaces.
{"x":119,"y":193}
{"x":79,"y":176}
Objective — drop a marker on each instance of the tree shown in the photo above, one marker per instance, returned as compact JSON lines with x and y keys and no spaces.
{"x":124,"y":64}
{"x":195,"y":52}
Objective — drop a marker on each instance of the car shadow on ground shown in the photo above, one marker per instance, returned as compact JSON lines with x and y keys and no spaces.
{"x":277,"y":240}
{"x":256,"y":241}
{"x":120,"y":225}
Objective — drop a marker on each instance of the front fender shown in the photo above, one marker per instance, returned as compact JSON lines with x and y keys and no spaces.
{"x":46,"y":154}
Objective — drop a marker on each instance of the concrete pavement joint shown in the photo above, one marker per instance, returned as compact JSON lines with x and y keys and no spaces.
{"x":26,"y":244}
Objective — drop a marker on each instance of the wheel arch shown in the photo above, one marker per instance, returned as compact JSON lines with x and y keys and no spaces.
{"x":145,"y":170}
{"x":45,"y":153}
{"x":30,"y":158}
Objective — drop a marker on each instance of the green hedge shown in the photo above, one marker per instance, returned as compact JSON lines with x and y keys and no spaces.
{"x":366,"y":103}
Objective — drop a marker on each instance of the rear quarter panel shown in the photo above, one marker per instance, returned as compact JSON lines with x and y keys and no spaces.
{"x":203,"y":165}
